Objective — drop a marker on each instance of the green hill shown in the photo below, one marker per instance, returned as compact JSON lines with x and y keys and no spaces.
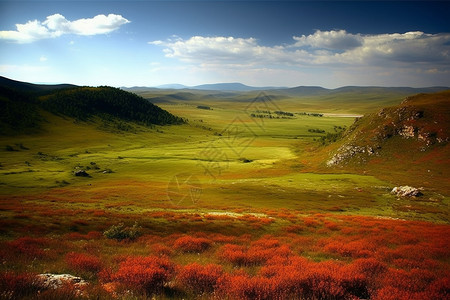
{"x":409,"y":138}
{"x":30,"y":87}
{"x":84,"y":103}
{"x":22,"y":104}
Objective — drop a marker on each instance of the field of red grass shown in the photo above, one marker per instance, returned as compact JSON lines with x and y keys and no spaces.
{"x":279,"y":255}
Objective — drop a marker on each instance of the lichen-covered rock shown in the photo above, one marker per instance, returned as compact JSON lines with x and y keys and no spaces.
{"x":406,"y":191}
{"x":55,"y":281}
{"x":407,"y":131}
{"x":345,"y":152}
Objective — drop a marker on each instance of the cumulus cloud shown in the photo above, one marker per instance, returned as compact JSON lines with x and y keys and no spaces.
{"x":210,"y":48}
{"x":320,"y":48}
{"x":57,"y":25}
{"x":335,"y":40}
{"x":223,"y":50}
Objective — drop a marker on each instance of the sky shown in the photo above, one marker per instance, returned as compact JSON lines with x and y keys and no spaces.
{"x":258,"y":43}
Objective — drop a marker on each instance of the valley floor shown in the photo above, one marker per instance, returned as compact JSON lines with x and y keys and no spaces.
{"x":228,"y":206}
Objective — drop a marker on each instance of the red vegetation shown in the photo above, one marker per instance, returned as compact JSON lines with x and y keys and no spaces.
{"x":259,"y":252}
{"x":91,"y":235}
{"x":360,"y":258}
{"x":244,"y":287}
{"x":81,"y":262}
{"x":311,"y":222}
{"x":144,"y":274}
{"x":161,"y":250}
{"x":220,"y":238}
{"x":17,"y":286}
{"x":200,"y":279}
{"x":29,"y":247}
{"x":192,"y":244}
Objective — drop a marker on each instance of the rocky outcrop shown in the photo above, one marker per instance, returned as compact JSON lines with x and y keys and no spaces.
{"x":423,"y":120}
{"x":347,"y":151}
{"x":406,"y":191}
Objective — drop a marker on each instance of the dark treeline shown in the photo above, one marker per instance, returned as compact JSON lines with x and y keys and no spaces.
{"x":85,"y":102}
{"x":19,"y":110}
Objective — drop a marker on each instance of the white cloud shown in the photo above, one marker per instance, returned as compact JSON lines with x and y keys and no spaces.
{"x":57,"y":25}
{"x":335,"y":40}
{"x":210,"y":48}
{"x":42,"y":58}
{"x":337,"y":57}
{"x":326,"y":48}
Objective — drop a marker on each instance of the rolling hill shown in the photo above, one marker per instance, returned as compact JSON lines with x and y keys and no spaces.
{"x":353,"y":99}
{"x":22,"y":104}
{"x":30,"y":87}
{"x":409,"y":138}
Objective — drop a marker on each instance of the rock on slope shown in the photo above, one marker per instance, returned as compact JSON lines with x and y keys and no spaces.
{"x":423,"y":119}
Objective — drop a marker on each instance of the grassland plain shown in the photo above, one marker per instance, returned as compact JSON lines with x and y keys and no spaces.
{"x":269,"y":220}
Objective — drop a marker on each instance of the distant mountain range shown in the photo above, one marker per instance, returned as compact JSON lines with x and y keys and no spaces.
{"x":233,"y":86}
{"x":293,"y":91}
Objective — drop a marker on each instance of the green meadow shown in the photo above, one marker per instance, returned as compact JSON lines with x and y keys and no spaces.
{"x":239,"y":161}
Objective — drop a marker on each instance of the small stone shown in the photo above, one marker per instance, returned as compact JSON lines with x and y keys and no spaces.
{"x":81,"y":173}
{"x":55,"y":281}
{"x":406,"y":191}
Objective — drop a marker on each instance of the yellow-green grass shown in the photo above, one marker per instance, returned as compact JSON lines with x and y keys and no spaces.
{"x":240,"y":162}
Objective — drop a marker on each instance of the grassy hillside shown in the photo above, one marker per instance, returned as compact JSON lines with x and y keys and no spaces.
{"x":84,"y":103}
{"x":409,"y":141}
{"x":22,"y":104}
{"x":26,"y":87}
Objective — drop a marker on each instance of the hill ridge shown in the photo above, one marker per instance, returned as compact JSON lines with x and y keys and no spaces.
{"x":423,"y":119}
{"x":21,"y":104}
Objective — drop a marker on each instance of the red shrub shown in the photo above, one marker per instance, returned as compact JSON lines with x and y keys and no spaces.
{"x":29,"y":247}
{"x":16,"y":286}
{"x":323,"y":281}
{"x":220,"y":238}
{"x":294,"y":228}
{"x":259,"y":252}
{"x":297,"y":276}
{"x":392,"y":293}
{"x":201,"y":279}
{"x":412,"y":281}
{"x":369,"y":267}
{"x":81,"y":262}
{"x":331,"y":225}
{"x":192,"y":244}
{"x":94,"y":235}
{"x":266,"y":242}
{"x":144,"y":274}
{"x":243,"y":287}
{"x":440,"y":288}
{"x":161,"y":250}
{"x":234,"y":254}
{"x":356,"y":248}
{"x":91,"y":235}
{"x":311,"y":222}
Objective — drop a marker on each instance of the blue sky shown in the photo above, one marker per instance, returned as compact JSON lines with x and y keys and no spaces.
{"x":259,"y":43}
